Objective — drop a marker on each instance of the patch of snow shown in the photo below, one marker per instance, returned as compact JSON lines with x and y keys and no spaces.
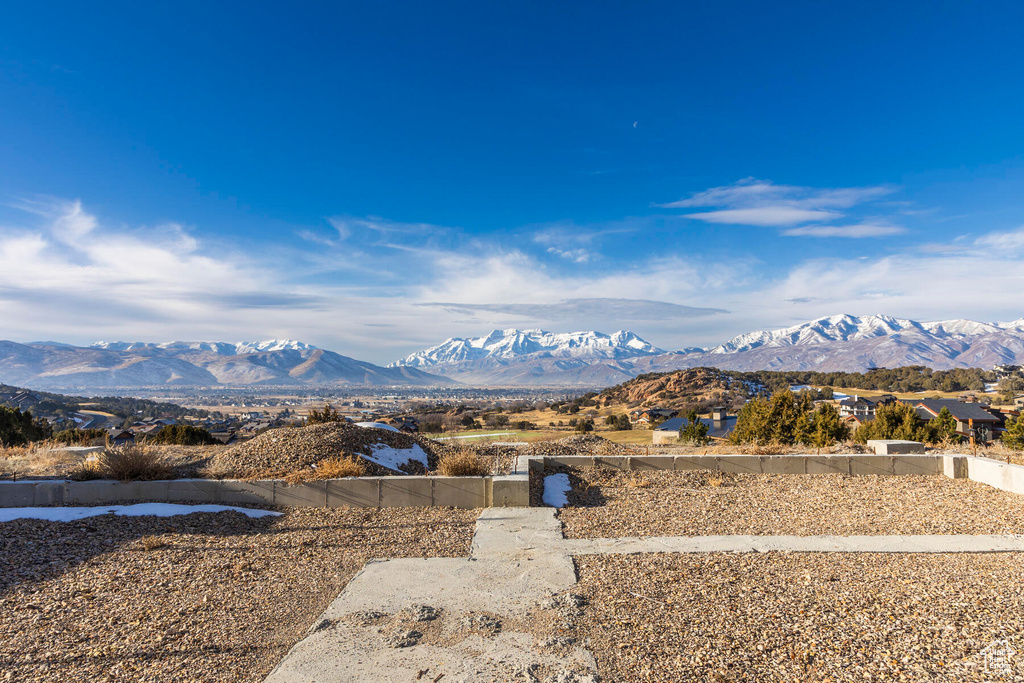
{"x":71,"y":514}
{"x":378,"y":425}
{"x":391,"y":457}
{"x":556,"y":490}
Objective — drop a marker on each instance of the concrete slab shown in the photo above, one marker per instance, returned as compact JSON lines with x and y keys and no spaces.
{"x":511,"y":490}
{"x":405,"y":492}
{"x":460,"y":492}
{"x":895,"y":446}
{"x":798,"y":544}
{"x":356,"y":492}
{"x":515,"y":563}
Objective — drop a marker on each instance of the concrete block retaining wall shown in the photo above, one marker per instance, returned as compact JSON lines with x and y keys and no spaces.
{"x":476,"y":492}
{"x":460,"y":492}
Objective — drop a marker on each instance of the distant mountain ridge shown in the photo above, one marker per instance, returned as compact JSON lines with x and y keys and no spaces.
{"x":42,"y":365}
{"x":511,"y":344}
{"x":834,"y":343}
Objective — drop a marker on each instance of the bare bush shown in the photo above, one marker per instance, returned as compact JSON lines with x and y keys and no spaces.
{"x":329,"y":468}
{"x":125,"y":463}
{"x":462,"y":461}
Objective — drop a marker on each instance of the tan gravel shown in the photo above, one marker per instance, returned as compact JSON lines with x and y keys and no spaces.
{"x":801,"y":617}
{"x":610,"y":503}
{"x":222,"y":600}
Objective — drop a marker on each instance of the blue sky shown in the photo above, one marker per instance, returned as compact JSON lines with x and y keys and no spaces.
{"x":373,"y":178}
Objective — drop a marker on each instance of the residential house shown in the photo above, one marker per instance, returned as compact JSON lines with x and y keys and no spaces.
{"x":121,"y":437}
{"x":720,"y":425}
{"x":862,"y":407}
{"x":646,"y":417}
{"x":968,"y":416}
{"x":22,"y":400}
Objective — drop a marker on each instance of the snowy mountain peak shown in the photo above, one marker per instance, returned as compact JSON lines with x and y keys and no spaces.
{"x":221,"y":348}
{"x":847,"y":328}
{"x":512,"y":343}
{"x":272,"y":345}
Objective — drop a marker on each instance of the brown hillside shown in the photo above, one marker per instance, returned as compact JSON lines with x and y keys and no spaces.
{"x":678,"y":390}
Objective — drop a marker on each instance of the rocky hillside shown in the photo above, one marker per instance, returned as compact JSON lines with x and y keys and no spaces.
{"x":680,"y":390}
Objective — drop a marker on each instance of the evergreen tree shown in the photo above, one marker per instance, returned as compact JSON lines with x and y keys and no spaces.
{"x":1013,"y":437}
{"x":694,"y":431}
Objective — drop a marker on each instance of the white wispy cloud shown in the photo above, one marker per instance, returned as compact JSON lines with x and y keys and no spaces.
{"x":766,"y":216}
{"x":764,"y":204}
{"x":66,"y":274}
{"x":859,"y":230}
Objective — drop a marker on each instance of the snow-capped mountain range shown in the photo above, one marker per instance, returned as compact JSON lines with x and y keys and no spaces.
{"x":519,"y":357}
{"x":839,"y":342}
{"x":143,"y":364}
{"x":512,"y":344}
{"x":220,"y":348}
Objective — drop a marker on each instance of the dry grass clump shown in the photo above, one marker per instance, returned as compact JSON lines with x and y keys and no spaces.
{"x":462,"y":461}
{"x":329,"y":468}
{"x":125,"y":463}
{"x":151,"y":543}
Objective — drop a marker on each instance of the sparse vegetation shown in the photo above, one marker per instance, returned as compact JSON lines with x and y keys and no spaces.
{"x":183,"y":435}
{"x":462,"y":461}
{"x":694,"y":431}
{"x":18,"y":428}
{"x":897,"y":421}
{"x":788,"y":418}
{"x":328,"y":414}
{"x":125,"y":463}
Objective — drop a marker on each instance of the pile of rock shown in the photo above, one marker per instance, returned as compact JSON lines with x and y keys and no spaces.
{"x":285,"y":451}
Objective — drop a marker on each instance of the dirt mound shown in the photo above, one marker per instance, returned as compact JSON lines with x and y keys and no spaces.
{"x":284,"y":451}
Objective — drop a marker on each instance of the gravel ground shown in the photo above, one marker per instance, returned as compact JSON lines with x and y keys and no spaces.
{"x":801,"y":617}
{"x":609,"y":503}
{"x":222,"y":600}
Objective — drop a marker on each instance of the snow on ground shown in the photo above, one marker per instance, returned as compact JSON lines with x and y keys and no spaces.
{"x":71,"y":514}
{"x":556,"y":490}
{"x":377,"y":425}
{"x":391,"y":457}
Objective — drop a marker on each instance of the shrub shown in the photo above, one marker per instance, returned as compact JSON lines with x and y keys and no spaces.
{"x":1013,"y":437}
{"x":183,"y":435}
{"x":694,"y":431}
{"x":462,"y":462}
{"x":328,"y":414}
{"x":584,"y":426}
{"x":18,"y":428}
{"x":125,"y":463}
{"x":337,"y":468}
{"x":897,"y":421}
